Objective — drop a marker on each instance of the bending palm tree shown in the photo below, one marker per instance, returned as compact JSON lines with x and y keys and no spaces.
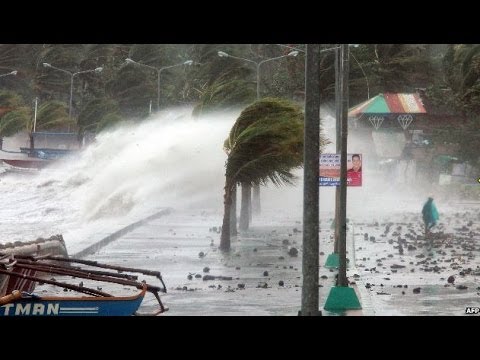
{"x":51,"y":114}
{"x":265,"y":143}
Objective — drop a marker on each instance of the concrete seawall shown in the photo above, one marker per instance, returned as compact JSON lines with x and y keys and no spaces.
{"x":92,"y":249}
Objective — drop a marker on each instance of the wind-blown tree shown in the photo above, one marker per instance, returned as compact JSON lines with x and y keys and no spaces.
{"x":173,"y":81}
{"x":14,"y":115}
{"x":98,"y":114}
{"x":55,"y":84}
{"x":25,"y":59}
{"x":465,"y":135}
{"x":226,"y":94}
{"x":132,"y":92}
{"x":223,"y":83}
{"x":14,"y":121}
{"x":20,"y":116}
{"x":217,"y":82}
{"x":458,"y":93}
{"x":265,"y":143}
{"x":230,"y":83}
{"x":461,"y":66}
{"x":108,"y":121}
{"x":52,"y":115}
{"x":390,"y":68}
{"x":400,"y":67}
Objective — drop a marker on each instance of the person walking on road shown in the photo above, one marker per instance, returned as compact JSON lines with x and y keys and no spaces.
{"x":430,"y":215}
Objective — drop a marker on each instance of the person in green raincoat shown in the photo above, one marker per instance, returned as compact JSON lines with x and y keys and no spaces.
{"x":430,"y":215}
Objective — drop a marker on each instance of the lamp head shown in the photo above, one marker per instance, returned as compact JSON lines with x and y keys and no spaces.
{"x":293,"y":53}
{"x":129,"y":61}
{"x":222,"y":54}
{"x":98,"y":69}
{"x":47,"y":65}
{"x":188,"y":62}
{"x":14,"y":72}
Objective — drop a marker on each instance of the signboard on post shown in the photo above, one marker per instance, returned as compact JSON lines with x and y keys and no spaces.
{"x":330,"y":170}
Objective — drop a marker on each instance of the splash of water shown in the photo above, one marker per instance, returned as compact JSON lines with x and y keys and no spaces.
{"x":171,"y":160}
{"x":166,"y":162}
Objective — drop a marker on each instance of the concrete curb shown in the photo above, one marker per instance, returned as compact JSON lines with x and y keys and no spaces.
{"x":92,"y":249}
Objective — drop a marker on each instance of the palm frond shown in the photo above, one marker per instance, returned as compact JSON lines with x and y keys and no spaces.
{"x":53,"y":114}
{"x":14,"y":121}
{"x":265,"y":143}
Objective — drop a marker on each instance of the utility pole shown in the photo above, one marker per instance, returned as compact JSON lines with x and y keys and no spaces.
{"x":338,"y":141}
{"x":35,"y":114}
{"x":32,"y":139}
{"x":342,"y":220}
{"x":311,"y":153}
{"x":342,"y":297}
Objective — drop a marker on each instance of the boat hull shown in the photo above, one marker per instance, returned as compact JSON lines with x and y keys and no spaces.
{"x":74,"y":306}
{"x":27,"y":163}
{"x":55,"y":245}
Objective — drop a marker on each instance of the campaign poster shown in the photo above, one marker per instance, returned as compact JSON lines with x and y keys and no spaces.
{"x":330,"y":170}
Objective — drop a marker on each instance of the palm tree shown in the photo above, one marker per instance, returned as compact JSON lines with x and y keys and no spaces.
{"x":97,"y":114}
{"x":52,"y":115}
{"x":14,"y":114}
{"x":19,"y":115}
{"x":265,"y":143}
{"x":459,"y":94}
{"x":462,"y":69}
{"x":223,"y":84}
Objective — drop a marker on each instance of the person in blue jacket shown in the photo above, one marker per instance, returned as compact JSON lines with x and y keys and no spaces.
{"x":430,"y":215}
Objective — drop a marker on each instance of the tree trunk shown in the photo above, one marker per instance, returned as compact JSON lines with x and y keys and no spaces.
{"x":233,"y":212}
{"x":225,"y":236}
{"x":245,"y":207}
{"x":256,"y":207}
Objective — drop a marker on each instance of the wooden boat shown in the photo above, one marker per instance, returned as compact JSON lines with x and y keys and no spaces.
{"x":54,"y":245}
{"x":40,"y":269}
{"x":45,"y":148}
{"x":27,"y":163}
{"x":27,"y":304}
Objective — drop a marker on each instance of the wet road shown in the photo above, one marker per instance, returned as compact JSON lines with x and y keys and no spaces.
{"x":266,"y":280}
{"x":172,"y":245}
{"x":408,"y":275}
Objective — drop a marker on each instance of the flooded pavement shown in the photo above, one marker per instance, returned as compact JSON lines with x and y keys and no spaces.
{"x":392,"y":268}
{"x":260,"y":276}
{"x":406,"y":274}
{"x":184,"y":248}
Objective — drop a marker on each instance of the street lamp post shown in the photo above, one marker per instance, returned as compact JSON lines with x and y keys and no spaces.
{"x":336,"y":57}
{"x":159,"y":71}
{"x":72,"y":75}
{"x":258,"y":64}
